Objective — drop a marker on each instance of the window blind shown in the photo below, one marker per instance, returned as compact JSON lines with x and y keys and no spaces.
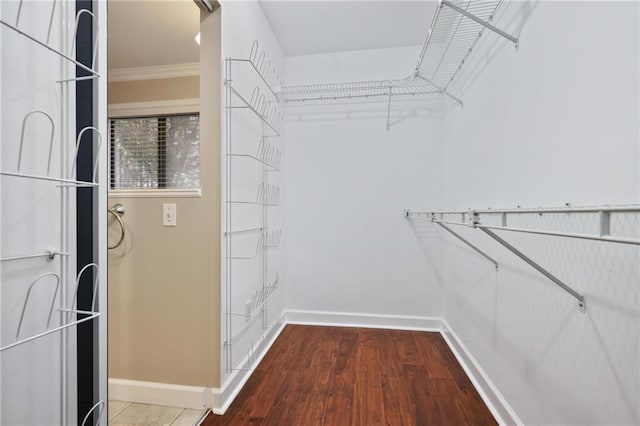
{"x":155,"y":152}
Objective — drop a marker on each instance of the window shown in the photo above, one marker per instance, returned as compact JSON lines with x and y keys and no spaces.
{"x":160,"y":152}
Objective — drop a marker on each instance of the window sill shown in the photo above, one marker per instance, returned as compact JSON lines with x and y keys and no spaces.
{"x":156,"y":193}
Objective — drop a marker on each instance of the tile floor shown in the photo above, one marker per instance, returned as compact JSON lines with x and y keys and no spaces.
{"x":130,"y":414}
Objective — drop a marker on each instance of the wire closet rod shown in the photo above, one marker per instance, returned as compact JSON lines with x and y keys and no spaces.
{"x":628,"y":208}
{"x":472,"y":219}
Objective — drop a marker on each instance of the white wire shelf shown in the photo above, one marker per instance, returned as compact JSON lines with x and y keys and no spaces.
{"x":67,"y":56}
{"x":90,"y":316}
{"x":266,"y":241}
{"x":267,"y":195}
{"x":244,"y":231}
{"x":265,"y":110}
{"x":454,"y":32}
{"x":261,"y":64}
{"x":353,"y":90}
{"x":452,"y":38}
{"x":258,"y":300}
{"x":251,"y":84}
{"x":253,"y":157}
{"x":52,"y":278}
{"x":69,"y":181}
{"x":263,"y":103}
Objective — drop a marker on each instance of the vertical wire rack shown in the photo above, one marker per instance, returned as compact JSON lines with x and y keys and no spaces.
{"x":263,"y":103}
{"x":55,"y":284}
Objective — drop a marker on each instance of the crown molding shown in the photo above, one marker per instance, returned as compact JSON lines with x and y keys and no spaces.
{"x":141,"y":109}
{"x":154,"y":72}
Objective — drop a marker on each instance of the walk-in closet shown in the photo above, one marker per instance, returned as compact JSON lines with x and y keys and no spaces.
{"x":320,"y":212}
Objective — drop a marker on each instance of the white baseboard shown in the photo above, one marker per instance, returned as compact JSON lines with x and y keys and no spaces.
{"x":497,"y":404}
{"x":349,"y":319}
{"x":222,"y":398}
{"x":171,"y":395}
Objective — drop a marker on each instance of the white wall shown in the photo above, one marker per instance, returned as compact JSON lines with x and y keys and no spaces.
{"x":557,"y":121}
{"x":348,"y":248}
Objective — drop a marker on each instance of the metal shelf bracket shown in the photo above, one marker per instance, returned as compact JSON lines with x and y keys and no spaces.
{"x":582,"y":307}
{"x":482,"y":22}
{"x":464,"y":240}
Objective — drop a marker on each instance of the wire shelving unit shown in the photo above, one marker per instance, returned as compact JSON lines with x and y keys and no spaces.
{"x":49,"y":300}
{"x":245,"y":245}
{"x":456,"y":28}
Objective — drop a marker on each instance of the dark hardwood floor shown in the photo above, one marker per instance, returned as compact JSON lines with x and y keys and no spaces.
{"x":356,"y":376}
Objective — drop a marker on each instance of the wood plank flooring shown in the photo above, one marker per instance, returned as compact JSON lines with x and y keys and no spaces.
{"x":355,"y":376}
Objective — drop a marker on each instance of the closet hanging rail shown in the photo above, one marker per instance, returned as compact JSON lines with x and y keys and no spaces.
{"x":473,"y":219}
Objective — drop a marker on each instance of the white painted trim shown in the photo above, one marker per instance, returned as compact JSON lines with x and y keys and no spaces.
{"x":495,"y":401}
{"x":233,"y":385}
{"x":155,"y":193}
{"x":203,"y":417}
{"x":141,"y":109}
{"x":350,"y":319}
{"x":195,"y":397}
{"x":154,"y":72}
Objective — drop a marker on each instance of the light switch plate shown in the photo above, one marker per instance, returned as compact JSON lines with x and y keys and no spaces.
{"x":169,"y":214}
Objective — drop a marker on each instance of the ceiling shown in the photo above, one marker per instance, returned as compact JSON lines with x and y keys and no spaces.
{"x":146,"y":33}
{"x":307,"y":27}
{"x":152,"y":32}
